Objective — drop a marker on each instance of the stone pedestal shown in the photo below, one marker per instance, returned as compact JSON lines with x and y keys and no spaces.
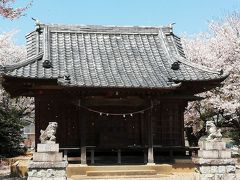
{"x":47,"y":163}
{"x":214,"y":162}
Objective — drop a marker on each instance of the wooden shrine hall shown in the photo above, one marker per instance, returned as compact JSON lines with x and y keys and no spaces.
{"x":109,"y":87}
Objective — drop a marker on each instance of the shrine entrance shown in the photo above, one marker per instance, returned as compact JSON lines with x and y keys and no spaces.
{"x":114,"y":131}
{"x":123,"y":129}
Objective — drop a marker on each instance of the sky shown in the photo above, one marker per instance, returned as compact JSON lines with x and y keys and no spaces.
{"x":191,"y":16}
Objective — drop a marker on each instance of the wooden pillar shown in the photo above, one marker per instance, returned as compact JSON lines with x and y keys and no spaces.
{"x":119,"y":156}
{"x":83,"y":136}
{"x":92,"y":156}
{"x":65,"y":154}
{"x":83,"y":155}
{"x":183,"y":106}
{"x":150,"y":138}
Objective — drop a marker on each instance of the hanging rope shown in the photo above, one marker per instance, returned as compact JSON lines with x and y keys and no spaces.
{"x":116,"y":114}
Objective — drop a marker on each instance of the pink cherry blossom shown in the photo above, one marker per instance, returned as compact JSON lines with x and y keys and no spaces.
{"x":220,"y":49}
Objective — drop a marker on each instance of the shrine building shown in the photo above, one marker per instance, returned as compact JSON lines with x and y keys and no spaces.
{"x":109,"y":88}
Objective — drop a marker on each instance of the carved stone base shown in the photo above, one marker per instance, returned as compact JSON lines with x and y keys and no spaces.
{"x":42,"y":174}
{"x":48,"y":147}
{"x":215,"y":145}
{"x":215,"y":177}
{"x":47,"y":157}
{"x":47,"y":170}
{"x":47,"y":178}
{"x":214,"y":162}
{"x":47,"y":163}
{"x":221,"y":154}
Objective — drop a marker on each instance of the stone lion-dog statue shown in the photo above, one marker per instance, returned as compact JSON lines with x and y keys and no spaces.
{"x":48,"y":135}
{"x":214,"y":134}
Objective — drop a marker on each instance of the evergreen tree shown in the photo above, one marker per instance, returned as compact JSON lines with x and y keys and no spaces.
{"x":11,"y":124}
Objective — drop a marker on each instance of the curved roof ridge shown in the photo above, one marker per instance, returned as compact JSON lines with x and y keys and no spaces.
{"x":198,"y":66}
{"x":99,"y":26}
{"x":23,"y":63}
{"x":115,"y":29}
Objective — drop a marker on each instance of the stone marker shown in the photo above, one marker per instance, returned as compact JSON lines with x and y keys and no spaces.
{"x":214,"y":160}
{"x":48,"y":163}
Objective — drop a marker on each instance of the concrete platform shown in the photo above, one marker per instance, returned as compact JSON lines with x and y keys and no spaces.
{"x":76,"y":170}
{"x":175,"y":171}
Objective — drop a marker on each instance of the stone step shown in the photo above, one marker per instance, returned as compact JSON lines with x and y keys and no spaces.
{"x":142,"y":177}
{"x":182,"y":176}
{"x":77,"y":169}
{"x":120,"y":167}
{"x":121,"y":173}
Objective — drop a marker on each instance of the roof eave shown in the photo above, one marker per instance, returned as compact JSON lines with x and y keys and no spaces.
{"x":172,"y":87}
{"x":32,"y":59}
{"x":220,"y":79}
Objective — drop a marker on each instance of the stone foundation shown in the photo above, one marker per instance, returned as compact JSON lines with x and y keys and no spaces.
{"x":215,"y":162}
{"x":47,"y":163}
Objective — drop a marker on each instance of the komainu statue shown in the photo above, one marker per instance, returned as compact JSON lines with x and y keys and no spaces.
{"x":214,"y":134}
{"x":48,"y":136}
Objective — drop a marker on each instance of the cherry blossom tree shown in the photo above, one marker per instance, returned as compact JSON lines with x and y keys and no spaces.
{"x":11,"y":53}
{"x":8,"y":10}
{"x":15,"y":113}
{"x":219,"y":49}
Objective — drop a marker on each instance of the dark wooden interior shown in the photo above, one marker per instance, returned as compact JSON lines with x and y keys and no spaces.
{"x":112,"y":131}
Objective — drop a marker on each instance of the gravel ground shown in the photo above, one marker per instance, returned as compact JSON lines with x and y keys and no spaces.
{"x":5,"y":174}
{"x":10,"y":178}
{"x":4,"y":170}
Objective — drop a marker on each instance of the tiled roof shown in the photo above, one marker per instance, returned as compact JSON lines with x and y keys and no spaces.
{"x":108,"y":56}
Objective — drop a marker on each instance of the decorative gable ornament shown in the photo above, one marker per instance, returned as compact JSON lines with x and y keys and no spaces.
{"x":47,"y":64}
{"x":175,"y":66}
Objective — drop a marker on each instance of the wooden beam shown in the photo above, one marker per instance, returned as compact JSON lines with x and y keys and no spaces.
{"x":47,"y":87}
